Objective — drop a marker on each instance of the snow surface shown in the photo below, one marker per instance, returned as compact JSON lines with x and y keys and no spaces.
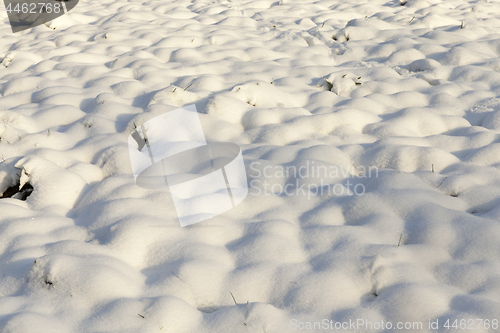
{"x":411,"y":88}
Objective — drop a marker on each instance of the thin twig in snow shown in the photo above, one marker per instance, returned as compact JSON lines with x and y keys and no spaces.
{"x":233,"y":298}
{"x":442,"y":182}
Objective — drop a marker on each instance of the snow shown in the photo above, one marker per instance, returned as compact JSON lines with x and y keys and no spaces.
{"x":399,"y":101}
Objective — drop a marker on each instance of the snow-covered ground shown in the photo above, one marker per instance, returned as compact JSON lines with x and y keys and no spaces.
{"x":391,"y":110}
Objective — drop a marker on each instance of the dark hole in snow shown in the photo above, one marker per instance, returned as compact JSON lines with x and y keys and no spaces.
{"x":48,"y":282}
{"x":370,"y":297}
{"x":16,"y":193}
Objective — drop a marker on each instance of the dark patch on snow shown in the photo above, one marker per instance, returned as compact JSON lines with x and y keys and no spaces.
{"x":48,"y":282}
{"x":15,"y":192}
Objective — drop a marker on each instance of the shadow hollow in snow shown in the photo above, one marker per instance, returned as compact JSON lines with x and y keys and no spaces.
{"x":18,"y":192}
